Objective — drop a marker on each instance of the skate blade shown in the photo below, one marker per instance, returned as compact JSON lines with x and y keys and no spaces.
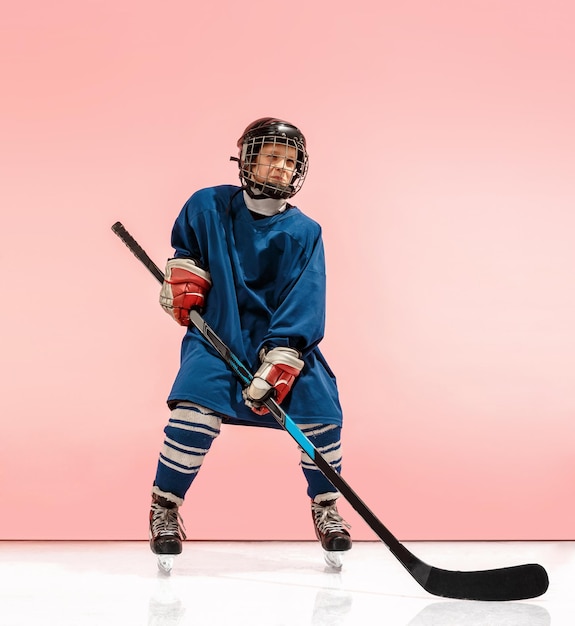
{"x":333,"y":559}
{"x":165,"y":563}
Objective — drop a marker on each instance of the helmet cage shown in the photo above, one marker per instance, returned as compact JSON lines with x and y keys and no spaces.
{"x":275,"y":132}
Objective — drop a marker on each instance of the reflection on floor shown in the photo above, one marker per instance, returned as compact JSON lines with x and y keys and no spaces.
{"x":266,"y":583}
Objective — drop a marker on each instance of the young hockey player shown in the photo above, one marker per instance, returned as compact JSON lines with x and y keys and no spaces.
{"x":254,"y":265}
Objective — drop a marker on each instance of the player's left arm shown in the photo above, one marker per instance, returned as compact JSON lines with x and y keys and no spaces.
{"x":296,"y":328}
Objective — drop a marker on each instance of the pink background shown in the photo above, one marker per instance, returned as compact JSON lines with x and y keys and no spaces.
{"x":442,"y":142}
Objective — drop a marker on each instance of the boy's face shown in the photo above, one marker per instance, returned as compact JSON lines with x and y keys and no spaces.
{"x":275,"y":164}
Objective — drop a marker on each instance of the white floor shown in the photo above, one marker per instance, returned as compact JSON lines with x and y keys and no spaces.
{"x":266,"y":583}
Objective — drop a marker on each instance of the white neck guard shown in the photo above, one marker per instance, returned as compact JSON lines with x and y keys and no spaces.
{"x":264,"y":206}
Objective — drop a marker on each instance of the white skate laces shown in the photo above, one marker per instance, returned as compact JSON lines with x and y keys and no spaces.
{"x":166,"y":522}
{"x":327,"y":519}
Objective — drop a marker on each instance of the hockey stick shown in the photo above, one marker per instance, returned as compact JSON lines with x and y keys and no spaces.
{"x":518,"y":582}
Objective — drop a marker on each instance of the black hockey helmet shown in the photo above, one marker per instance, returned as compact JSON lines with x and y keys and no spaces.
{"x":270,"y":130}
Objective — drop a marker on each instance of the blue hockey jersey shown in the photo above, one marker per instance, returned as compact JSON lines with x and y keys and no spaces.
{"x":268,"y":288}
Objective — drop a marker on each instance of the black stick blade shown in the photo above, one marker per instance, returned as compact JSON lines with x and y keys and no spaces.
{"x":508,"y":583}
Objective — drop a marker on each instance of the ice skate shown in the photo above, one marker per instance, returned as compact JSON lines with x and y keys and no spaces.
{"x":166,"y":532}
{"x":331,"y":530}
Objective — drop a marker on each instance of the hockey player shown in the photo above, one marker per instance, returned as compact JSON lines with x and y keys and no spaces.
{"x":254,"y":264}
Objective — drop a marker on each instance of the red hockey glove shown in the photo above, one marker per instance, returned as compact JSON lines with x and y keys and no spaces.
{"x":185,"y":287}
{"x":274,"y":378}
